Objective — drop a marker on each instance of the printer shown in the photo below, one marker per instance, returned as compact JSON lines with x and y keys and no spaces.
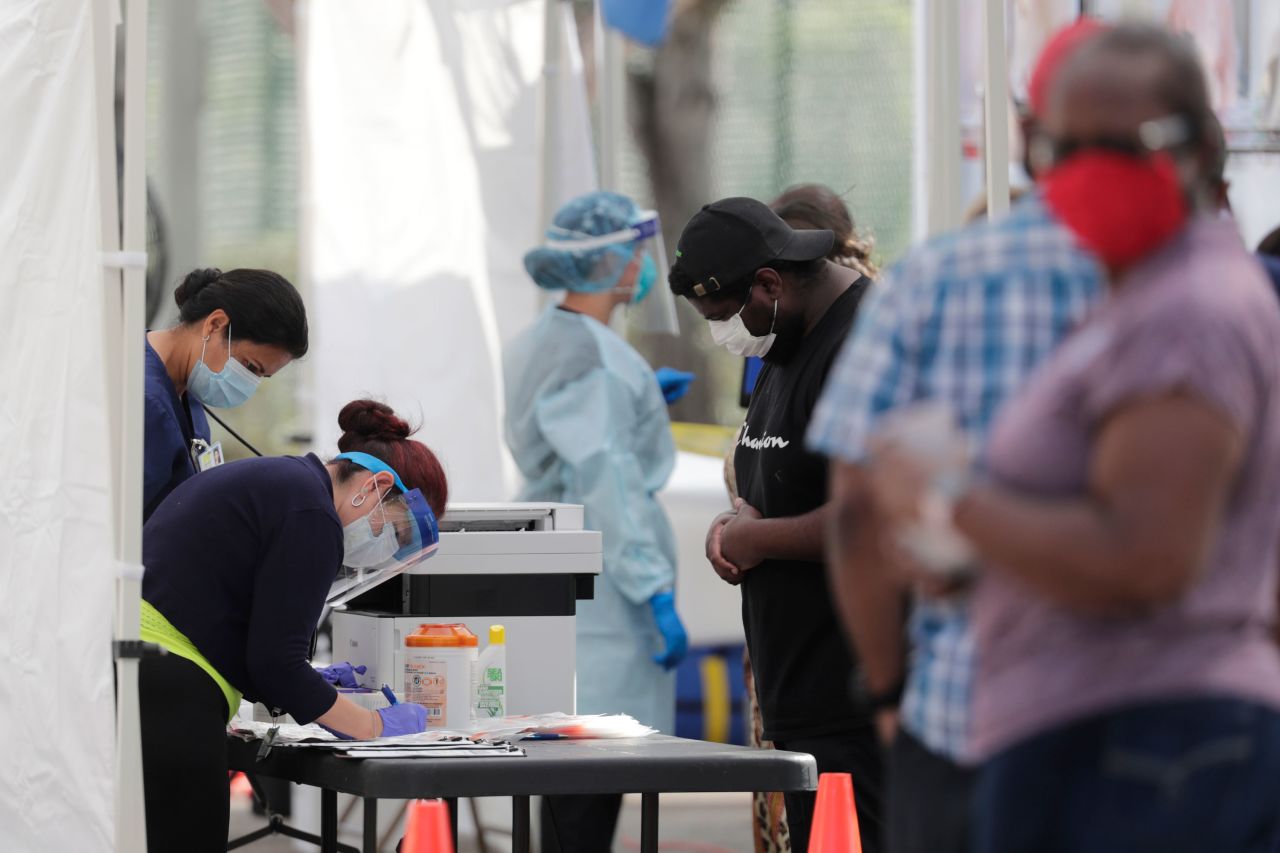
{"x":521,"y":565}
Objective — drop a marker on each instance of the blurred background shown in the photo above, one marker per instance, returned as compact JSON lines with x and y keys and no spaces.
{"x":745,"y":97}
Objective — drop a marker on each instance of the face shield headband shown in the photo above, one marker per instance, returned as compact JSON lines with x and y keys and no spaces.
{"x":412,"y":522}
{"x":654,"y":309}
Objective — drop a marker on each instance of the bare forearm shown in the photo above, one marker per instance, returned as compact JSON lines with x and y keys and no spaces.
{"x":349,"y":718}
{"x":867,"y":595}
{"x":1275,"y":626}
{"x":800,"y":537}
{"x":1138,"y":536}
{"x":1067,"y":550}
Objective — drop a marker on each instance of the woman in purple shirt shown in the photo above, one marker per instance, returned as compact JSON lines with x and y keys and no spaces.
{"x":1128,"y":685}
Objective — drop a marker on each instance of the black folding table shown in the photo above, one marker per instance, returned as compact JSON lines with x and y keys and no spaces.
{"x":646,"y":766}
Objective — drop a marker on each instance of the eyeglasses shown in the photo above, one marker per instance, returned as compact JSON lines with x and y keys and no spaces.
{"x":1161,"y":134}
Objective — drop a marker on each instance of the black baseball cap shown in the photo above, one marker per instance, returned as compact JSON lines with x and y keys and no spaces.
{"x":729,"y":239}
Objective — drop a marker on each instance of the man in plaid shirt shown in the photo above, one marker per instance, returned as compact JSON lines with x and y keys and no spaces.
{"x":963,"y":320}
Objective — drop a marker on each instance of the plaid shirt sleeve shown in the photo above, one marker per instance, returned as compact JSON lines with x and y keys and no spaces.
{"x":875,"y":372}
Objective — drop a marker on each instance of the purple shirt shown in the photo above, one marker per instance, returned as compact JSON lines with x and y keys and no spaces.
{"x":1197,"y":316}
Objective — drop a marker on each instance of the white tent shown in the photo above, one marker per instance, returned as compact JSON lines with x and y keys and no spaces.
{"x":66,"y":529}
{"x":421,"y":193}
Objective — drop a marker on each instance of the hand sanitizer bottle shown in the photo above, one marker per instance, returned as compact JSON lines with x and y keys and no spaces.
{"x":491,"y":677}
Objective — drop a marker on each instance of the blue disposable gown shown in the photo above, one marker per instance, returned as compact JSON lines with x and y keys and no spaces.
{"x":168,"y":433}
{"x":587,"y":425}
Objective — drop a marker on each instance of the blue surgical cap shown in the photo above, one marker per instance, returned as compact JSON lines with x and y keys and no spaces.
{"x":592,"y":270}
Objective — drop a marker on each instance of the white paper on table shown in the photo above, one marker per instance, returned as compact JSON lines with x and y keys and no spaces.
{"x":404,"y":744}
{"x":431,"y":753}
{"x":312,"y":735}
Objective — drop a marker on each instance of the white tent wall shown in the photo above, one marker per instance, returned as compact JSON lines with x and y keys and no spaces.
{"x":56,"y":542}
{"x":420,"y":191}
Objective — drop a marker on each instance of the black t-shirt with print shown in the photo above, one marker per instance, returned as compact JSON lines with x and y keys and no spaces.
{"x":802,"y":664}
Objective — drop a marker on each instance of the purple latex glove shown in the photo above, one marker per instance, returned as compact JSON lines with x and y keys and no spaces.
{"x":342,"y":674}
{"x":406,"y":718}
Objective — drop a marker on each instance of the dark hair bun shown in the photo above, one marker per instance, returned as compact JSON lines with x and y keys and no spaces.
{"x":196,"y":281}
{"x":369,"y":420}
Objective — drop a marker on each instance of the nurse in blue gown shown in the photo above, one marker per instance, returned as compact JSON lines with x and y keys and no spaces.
{"x":234,"y":329}
{"x":587,"y":423}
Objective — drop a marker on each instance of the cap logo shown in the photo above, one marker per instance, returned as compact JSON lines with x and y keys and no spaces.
{"x":702,"y":290}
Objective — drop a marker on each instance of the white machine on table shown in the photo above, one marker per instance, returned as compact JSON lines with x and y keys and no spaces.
{"x":524,"y":566}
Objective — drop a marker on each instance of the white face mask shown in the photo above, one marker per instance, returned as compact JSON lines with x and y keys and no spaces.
{"x":361,"y":547}
{"x":733,"y":334}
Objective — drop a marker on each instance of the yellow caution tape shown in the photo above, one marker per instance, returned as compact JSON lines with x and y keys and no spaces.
{"x":716,"y":705}
{"x":705,"y":439}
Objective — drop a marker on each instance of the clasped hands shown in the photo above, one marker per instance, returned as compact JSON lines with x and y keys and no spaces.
{"x":731,"y":545}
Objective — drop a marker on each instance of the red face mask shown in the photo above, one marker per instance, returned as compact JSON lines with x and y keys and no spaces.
{"x":1120,"y":206}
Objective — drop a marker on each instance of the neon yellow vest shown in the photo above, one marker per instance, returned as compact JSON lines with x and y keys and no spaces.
{"x":157,"y":629}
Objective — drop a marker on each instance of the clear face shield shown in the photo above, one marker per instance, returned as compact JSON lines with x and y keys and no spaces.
{"x":398,"y":533}
{"x":607,"y":260}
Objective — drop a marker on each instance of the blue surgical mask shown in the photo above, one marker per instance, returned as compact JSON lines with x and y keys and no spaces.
{"x":229,"y":387}
{"x":644,"y":279}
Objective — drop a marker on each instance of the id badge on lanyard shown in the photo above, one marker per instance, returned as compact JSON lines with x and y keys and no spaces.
{"x":205,"y":455}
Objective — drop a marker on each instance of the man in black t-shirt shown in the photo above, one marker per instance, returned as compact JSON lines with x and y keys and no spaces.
{"x":768,"y":290}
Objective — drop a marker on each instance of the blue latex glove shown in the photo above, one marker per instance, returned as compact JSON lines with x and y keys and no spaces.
{"x":674,"y":383}
{"x":663,"y":606}
{"x":406,"y":718}
{"x":342,"y":674}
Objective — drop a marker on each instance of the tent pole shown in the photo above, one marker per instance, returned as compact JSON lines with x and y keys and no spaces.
{"x":126,"y":309}
{"x":549,"y":117}
{"x":996,"y":89}
{"x":937,"y":157}
{"x":611,"y":101}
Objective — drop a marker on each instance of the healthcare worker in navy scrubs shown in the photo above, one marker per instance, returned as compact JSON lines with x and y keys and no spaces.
{"x":240,"y":561}
{"x":234,"y":329}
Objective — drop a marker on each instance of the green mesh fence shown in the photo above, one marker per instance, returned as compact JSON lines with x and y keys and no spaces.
{"x":807,"y":91}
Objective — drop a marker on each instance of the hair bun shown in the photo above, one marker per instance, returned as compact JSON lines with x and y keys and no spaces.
{"x":369,"y":420}
{"x":196,"y":281}
{"x":854,"y":248}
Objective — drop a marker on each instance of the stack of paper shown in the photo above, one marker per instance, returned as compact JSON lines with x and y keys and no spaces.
{"x":430,"y":744}
{"x":490,"y":738}
{"x":549,"y":726}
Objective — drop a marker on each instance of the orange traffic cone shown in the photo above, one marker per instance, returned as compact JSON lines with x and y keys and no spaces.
{"x":835,"y":820}
{"x":427,"y":828}
{"x":240,"y":787}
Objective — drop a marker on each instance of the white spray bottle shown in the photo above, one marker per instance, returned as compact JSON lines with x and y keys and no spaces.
{"x":491,"y":677}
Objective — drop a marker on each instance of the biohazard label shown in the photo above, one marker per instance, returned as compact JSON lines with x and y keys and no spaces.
{"x":426,"y":682}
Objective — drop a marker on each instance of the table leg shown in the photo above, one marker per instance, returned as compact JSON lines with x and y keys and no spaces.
{"x":649,"y":823}
{"x":370,"y":844}
{"x":520,"y":842}
{"x":328,"y":821}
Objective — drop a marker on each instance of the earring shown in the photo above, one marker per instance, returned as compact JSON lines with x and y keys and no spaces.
{"x":358,"y":500}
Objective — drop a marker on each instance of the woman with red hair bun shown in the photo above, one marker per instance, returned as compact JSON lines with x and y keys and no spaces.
{"x":240,"y":562}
